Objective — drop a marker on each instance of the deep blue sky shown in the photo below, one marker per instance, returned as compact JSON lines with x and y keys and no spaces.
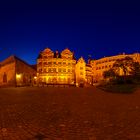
{"x":97,"y":28}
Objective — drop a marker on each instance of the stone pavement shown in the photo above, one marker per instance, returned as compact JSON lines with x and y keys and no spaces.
{"x":36,"y":113}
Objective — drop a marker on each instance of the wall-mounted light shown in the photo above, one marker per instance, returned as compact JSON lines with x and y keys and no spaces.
{"x":35,"y":77}
{"x":18,"y":76}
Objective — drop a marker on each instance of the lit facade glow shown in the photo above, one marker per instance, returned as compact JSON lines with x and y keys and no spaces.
{"x":60,"y":68}
{"x":104,"y":64}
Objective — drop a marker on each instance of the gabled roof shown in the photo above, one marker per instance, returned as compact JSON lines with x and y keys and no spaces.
{"x":8,"y":60}
{"x":12,"y":59}
{"x":81,"y":59}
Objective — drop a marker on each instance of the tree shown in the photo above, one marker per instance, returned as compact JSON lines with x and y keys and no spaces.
{"x":135,"y":71}
{"x":109,"y":74}
{"x":123,"y":71}
{"x":123,"y":66}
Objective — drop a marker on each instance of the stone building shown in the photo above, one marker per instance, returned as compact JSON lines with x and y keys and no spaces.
{"x":16,"y":72}
{"x":60,"y":68}
{"x":57,"y":68}
{"x":104,"y":64}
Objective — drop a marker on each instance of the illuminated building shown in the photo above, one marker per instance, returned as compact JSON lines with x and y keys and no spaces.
{"x":104,"y":64}
{"x":60,"y":68}
{"x":16,"y":72}
{"x":54,"y":68}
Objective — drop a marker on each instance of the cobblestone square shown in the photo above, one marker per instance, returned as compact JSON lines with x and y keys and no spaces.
{"x":48,"y":113}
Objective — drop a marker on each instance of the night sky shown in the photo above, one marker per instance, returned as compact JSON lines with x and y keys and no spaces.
{"x":98,"y":29}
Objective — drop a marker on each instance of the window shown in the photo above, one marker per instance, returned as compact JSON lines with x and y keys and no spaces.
{"x":68,"y":70}
{"x":54,"y":69}
{"x":44,"y":56}
{"x":64,"y":63}
{"x":45,"y":63}
{"x":81,"y":68}
{"x":40,"y":70}
{"x":81,"y":73}
{"x":59,"y":79}
{"x":59,"y":70}
{"x":40,"y":63}
{"x":68,"y":63}
{"x":54,"y":63}
{"x":44,"y":70}
{"x":59,"y":63}
{"x":49,"y":69}
{"x":5,"y":78}
{"x":49,"y":63}
{"x":44,"y":79}
{"x":64,"y":70}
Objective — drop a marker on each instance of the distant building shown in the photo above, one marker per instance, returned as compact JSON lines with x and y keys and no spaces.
{"x":16,"y":72}
{"x":60,"y":68}
{"x":104,"y":64}
{"x":54,"y":68}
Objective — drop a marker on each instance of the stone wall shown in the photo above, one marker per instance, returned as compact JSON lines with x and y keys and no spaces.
{"x":7,"y":75}
{"x":25,"y":74}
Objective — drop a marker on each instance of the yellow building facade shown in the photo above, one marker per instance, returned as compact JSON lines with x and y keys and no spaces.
{"x":104,"y":64}
{"x":61,"y":68}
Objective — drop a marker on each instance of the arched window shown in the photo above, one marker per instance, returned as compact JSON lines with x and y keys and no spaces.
{"x":5,"y":78}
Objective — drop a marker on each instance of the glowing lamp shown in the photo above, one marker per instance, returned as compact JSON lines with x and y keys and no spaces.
{"x":35,"y":77}
{"x":18,"y":76}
